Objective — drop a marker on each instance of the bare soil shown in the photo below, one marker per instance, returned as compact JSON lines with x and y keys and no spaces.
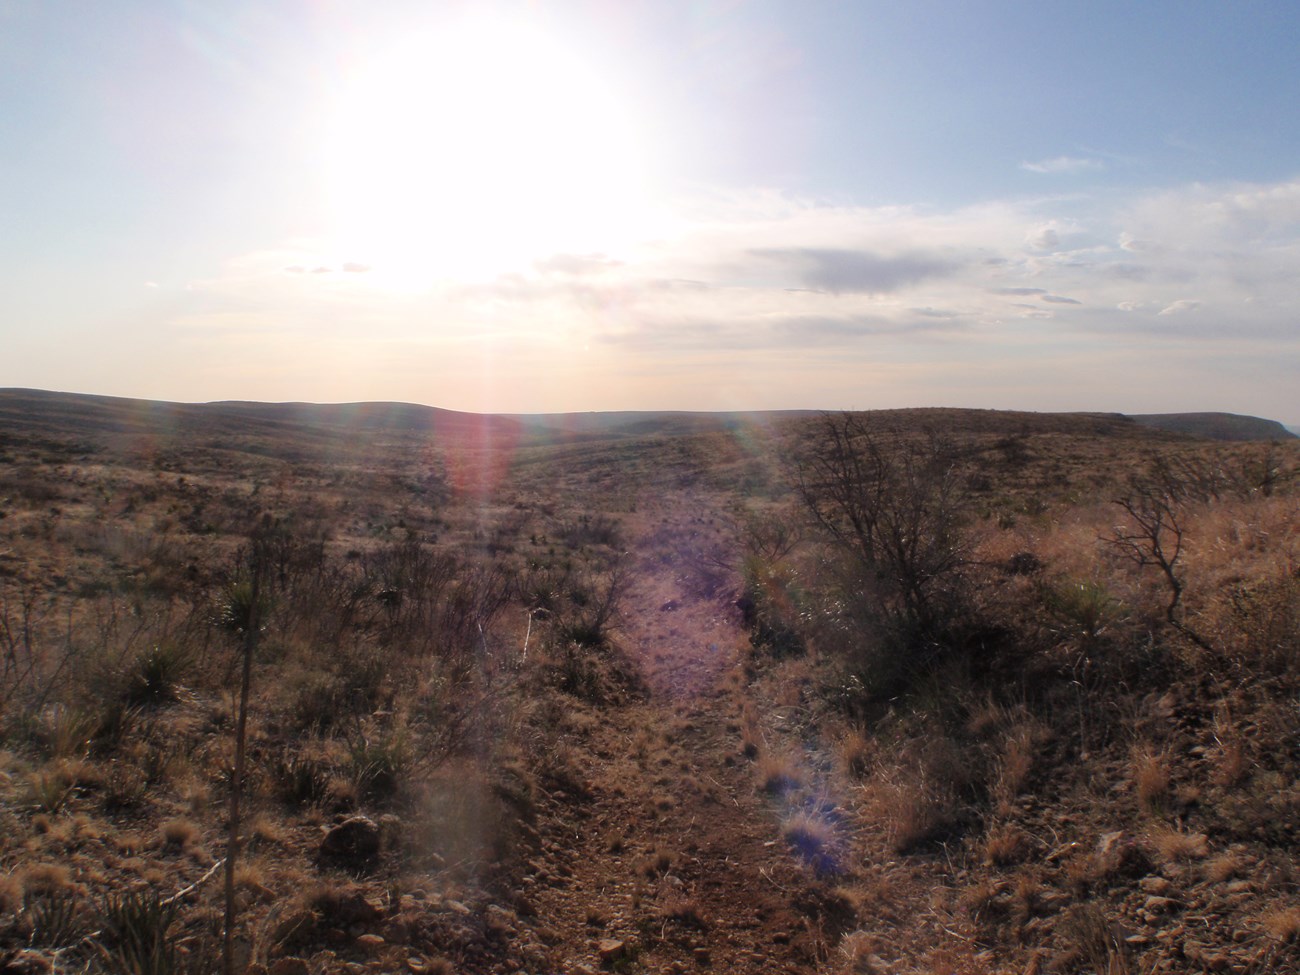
{"x":668,"y":854}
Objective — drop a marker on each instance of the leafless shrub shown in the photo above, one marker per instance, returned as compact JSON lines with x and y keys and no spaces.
{"x":896,"y":505}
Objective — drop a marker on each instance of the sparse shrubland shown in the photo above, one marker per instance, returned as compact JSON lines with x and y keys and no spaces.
{"x":930,"y":691}
{"x":1054,"y":700}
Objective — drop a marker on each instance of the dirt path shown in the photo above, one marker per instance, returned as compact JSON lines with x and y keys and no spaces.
{"x":673,"y":861}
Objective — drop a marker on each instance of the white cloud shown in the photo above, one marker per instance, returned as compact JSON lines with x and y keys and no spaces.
{"x":1063,"y":164}
{"x":816,"y":286}
{"x":1179,"y":306}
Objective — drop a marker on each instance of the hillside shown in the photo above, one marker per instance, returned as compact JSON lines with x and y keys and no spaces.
{"x":894,"y":692}
{"x":76,"y":414}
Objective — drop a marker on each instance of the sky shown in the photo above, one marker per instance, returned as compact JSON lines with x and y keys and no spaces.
{"x":678,"y":204}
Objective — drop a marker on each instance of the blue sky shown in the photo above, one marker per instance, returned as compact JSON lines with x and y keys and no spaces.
{"x":704,"y":205}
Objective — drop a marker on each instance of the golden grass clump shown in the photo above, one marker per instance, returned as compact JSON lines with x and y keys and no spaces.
{"x":1176,"y":846}
{"x":1151,"y":779}
{"x":1284,"y":924}
{"x":46,"y":878}
{"x":856,"y":751}
{"x":685,"y":910}
{"x":909,"y":812}
{"x":1222,"y":868}
{"x":812,"y":837}
{"x":1005,"y":845}
{"x":660,"y":861}
{"x":779,"y":772}
{"x":178,"y":833}
{"x":1016,"y":763}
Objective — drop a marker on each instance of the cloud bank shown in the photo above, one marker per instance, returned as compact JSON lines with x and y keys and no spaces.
{"x":1031,"y":303}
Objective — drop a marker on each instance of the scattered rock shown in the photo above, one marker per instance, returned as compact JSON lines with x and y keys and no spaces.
{"x":371,"y":942}
{"x":356,"y":838}
{"x":348,"y":909}
{"x":611,"y":949}
{"x":1154,"y":885}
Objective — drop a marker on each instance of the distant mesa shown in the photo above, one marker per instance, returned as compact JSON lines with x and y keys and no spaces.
{"x":1215,"y":426}
{"x":33,"y":411}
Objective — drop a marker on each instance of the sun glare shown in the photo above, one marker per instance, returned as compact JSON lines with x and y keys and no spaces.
{"x":474,"y":149}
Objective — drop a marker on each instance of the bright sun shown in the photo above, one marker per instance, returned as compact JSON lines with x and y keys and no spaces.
{"x":473,"y":149}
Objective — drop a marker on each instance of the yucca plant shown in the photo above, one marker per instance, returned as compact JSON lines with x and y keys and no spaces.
{"x":299,"y":780}
{"x":135,"y":926}
{"x":379,"y":765}
{"x":55,"y":920}
{"x":153,"y":677}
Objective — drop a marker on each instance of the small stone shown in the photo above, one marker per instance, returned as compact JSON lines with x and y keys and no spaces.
{"x":1158,"y":905}
{"x":702,"y":956}
{"x":371,"y":942}
{"x":1154,"y":885}
{"x":356,"y":838}
{"x":611,"y":949}
{"x":458,"y":907}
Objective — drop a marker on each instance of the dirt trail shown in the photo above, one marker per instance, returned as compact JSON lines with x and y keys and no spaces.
{"x":673,"y":860}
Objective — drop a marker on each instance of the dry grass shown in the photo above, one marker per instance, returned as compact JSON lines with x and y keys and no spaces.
{"x":1176,"y":846}
{"x":178,"y":833}
{"x":686,"y":911}
{"x":857,"y":750}
{"x":813,"y":838}
{"x":1020,"y":747}
{"x":1283,"y":924}
{"x":858,"y":955}
{"x":1222,"y":868}
{"x":1006,"y":845}
{"x":779,"y":772}
{"x":660,"y":861}
{"x":46,"y":878}
{"x":1151,"y":779}
{"x":910,"y":812}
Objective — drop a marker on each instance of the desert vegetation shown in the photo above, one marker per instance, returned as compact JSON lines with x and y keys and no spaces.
{"x":914,"y":691}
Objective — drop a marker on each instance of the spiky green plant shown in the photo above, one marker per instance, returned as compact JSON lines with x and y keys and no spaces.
{"x":135,"y":928}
